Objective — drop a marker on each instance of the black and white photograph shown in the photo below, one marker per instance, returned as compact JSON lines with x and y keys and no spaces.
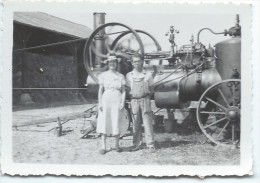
{"x":110,"y":86}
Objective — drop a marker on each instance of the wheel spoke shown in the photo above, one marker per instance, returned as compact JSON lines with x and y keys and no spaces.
{"x":233,"y":90}
{"x":223,"y":97}
{"x":223,"y":129}
{"x":218,"y":121}
{"x":233,"y":133}
{"x":217,"y":104}
{"x":107,"y":45}
{"x":123,"y":55}
{"x":209,"y":112}
{"x":218,"y":127}
{"x":120,"y":44}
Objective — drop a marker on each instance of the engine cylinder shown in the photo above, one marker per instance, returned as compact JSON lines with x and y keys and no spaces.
{"x":173,"y":93}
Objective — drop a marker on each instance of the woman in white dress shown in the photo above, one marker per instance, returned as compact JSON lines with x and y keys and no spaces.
{"x":111,"y":98}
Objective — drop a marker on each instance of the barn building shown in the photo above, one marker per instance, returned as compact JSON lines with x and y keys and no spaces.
{"x":47,"y":59}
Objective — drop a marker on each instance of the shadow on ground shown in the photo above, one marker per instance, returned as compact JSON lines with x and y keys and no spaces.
{"x":170,"y":143}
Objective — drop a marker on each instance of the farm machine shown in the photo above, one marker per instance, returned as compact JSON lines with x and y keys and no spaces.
{"x":205,"y":77}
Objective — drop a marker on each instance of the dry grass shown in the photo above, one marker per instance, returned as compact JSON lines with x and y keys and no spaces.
{"x":172,"y":148}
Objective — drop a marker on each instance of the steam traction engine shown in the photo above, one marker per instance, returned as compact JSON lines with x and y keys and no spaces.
{"x":207,"y":78}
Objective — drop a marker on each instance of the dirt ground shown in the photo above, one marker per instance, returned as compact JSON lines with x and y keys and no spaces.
{"x":34,"y":144}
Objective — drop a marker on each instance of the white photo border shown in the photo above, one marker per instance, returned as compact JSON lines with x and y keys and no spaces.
{"x":245,"y":168}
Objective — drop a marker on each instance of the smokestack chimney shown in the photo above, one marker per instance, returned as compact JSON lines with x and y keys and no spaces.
{"x":99,"y":19}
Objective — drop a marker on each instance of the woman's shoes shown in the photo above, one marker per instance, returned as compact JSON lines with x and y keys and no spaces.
{"x":102,"y":151}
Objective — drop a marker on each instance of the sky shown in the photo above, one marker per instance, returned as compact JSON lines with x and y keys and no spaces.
{"x":158,"y":24}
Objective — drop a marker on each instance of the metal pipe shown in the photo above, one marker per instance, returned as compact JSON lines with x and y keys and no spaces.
{"x":99,"y":19}
{"x":198,"y":35}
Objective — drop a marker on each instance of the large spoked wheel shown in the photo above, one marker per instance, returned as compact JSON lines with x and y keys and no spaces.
{"x":140,"y":32}
{"x":218,"y":112}
{"x":99,"y":46}
{"x":151,"y":45}
{"x":125,"y":122}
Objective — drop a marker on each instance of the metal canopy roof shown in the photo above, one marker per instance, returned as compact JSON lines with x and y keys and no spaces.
{"x":52,"y":23}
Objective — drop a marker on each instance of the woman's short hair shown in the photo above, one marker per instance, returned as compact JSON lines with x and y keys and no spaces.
{"x":110,"y":58}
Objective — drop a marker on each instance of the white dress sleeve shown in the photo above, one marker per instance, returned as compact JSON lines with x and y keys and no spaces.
{"x":101,"y":79}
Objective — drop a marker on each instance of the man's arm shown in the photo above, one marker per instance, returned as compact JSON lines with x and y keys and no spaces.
{"x":122,"y":103}
{"x":128,"y":83}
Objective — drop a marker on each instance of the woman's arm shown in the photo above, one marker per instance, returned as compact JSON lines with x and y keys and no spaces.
{"x":100,"y":93}
{"x":151,"y":88}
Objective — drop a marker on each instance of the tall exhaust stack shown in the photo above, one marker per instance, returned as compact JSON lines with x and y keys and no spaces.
{"x":99,"y":19}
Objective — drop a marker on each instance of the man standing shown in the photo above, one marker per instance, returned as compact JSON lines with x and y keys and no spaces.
{"x":139,"y":82}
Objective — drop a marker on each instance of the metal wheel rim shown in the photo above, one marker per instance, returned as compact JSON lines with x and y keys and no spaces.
{"x":127,"y":117}
{"x":87,"y":45}
{"x":138,"y":31}
{"x":198,"y":112}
